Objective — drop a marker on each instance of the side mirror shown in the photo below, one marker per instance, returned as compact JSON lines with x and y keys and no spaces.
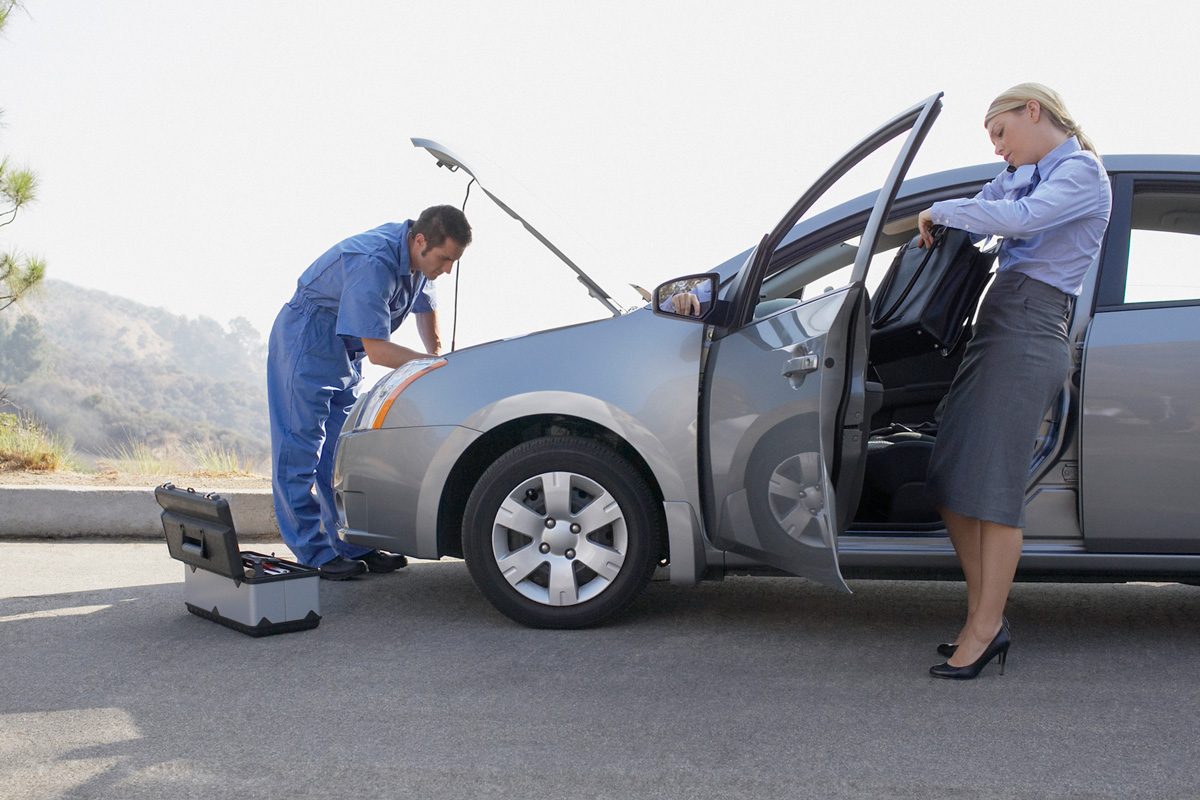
{"x":690,"y":297}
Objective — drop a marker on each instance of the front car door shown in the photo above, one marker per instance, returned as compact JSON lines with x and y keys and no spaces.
{"x":783,"y":393}
{"x":1140,"y":429}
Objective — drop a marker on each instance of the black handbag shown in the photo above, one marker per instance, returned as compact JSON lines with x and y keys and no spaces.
{"x":928,"y":296}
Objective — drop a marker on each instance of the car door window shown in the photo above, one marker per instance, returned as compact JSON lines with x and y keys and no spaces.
{"x":831,"y":268}
{"x":1164,"y":247}
{"x":884,"y":254}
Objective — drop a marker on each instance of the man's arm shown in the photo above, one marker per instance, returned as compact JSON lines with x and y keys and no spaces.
{"x":389,"y":354}
{"x":427,"y":327}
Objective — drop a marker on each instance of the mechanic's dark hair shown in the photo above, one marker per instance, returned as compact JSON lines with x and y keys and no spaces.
{"x":437,"y":223}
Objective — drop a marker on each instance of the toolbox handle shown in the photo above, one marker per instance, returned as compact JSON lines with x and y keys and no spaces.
{"x":191,"y":546}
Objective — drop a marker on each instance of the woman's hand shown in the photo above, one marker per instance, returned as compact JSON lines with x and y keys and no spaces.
{"x":925,"y":228}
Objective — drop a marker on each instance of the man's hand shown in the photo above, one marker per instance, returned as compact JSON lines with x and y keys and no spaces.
{"x":686,"y":303}
{"x":389,"y":354}
{"x":925,"y":228}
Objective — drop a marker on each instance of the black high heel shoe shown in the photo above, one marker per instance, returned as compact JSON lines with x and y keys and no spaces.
{"x":998,"y":648}
{"x":947,"y":649}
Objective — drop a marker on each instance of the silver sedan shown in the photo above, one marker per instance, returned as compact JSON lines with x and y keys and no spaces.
{"x":751,"y":428}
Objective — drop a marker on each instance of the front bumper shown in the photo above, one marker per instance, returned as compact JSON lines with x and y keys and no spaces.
{"x":388,"y":485}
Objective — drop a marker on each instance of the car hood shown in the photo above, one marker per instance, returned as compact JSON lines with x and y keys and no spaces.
{"x":447,"y":159}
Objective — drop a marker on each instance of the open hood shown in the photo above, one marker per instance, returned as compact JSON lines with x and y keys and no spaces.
{"x":452,"y":162}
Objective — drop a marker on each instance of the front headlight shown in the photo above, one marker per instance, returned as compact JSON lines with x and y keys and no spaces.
{"x":379,"y":401}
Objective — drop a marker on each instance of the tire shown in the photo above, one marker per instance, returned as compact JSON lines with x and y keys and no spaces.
{"x":544,"y":541}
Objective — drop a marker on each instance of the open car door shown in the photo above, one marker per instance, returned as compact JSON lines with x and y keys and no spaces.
{"x":782,"y":414}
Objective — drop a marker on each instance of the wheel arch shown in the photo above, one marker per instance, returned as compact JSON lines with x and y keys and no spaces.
{"x":496,"y":441}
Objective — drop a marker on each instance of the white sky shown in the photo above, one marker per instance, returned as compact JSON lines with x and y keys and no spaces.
{"x":198,"y":156}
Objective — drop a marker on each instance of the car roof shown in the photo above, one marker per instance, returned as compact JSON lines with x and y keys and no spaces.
{"x":968,"y":179}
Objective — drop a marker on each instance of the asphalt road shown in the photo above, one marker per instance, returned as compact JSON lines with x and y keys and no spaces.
{"x":413,"y":686}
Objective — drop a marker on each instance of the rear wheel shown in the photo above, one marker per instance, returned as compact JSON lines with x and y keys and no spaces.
{"x":561,"y":532}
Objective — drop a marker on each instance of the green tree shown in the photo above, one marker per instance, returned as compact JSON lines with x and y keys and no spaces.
{"x":18,"y":187}
{"x":20,"y":349}
{"x":247,"y":338}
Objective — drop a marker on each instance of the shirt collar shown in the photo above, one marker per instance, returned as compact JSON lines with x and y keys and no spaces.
{"x":1058,"y":154}
{"x":403,"y":264}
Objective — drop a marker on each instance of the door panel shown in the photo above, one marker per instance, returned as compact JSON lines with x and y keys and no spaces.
{"x":1140,"y":433}
{"x":769,"y":466}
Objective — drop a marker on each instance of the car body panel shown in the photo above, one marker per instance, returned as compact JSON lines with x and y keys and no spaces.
{"x":1140,"y":436}
{"x":1056,"y":560}
{"x":388,"y":502}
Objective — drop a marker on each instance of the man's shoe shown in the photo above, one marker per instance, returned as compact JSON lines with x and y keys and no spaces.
{"x":382,"y":561}
{"x":339,"y":569}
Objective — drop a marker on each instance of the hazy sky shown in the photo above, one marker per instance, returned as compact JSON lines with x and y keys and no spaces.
{"x":198,"y":156}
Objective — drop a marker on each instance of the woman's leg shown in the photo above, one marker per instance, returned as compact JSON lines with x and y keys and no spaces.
{"x":964,"y":535}
{"x":1000,"y":550}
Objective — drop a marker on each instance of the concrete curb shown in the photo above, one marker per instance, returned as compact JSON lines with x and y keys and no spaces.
{"x":69,"y":512}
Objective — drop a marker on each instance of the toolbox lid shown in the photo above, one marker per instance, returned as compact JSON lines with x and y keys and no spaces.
{"x":199,"y":530}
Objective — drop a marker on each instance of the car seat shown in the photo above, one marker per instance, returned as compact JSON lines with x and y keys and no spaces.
{"x":894,"y":485}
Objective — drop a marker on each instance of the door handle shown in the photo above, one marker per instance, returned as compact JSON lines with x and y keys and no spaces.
{"x":800,"y":365}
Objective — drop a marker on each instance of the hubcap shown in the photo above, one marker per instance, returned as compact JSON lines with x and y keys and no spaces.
{"x":560,"y":538}
{"x":795,"y":497}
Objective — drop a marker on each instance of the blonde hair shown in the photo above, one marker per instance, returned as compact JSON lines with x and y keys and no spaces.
{"x":1051,"y":103}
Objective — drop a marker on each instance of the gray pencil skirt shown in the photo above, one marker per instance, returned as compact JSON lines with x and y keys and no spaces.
{"x":1013,"y":368}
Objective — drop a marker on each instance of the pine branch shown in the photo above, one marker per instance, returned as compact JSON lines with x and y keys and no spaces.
{"x":19,"y":186}
{"x":18,"y":276}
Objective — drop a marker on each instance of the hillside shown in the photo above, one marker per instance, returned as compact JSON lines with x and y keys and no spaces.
{"x":110,"y":373}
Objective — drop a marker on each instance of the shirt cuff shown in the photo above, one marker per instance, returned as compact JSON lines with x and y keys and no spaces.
{"x":943,"y":213}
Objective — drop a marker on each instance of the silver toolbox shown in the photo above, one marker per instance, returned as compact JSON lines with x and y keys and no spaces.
{"x":250,"y":592}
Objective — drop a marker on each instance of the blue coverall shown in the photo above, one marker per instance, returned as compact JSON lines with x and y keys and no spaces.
{"x":362,"y":288}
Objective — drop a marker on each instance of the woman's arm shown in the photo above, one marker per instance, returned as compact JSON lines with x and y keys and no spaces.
{"x":1075,"y":190}
{"x":992,"y":190}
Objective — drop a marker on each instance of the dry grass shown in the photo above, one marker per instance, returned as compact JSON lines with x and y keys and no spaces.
{"x":136,"y":458}
{"x":26,"y":445}
{"x":216,"y":461}
{"x":31,"y":454}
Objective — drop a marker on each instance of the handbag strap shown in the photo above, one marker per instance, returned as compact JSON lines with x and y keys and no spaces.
{"x":939,"y":237}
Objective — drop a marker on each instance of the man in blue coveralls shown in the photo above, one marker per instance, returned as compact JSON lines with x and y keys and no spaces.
{"x":346,"y":306}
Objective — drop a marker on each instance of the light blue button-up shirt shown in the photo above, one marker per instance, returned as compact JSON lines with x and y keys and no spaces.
{"x":1052,"y":231}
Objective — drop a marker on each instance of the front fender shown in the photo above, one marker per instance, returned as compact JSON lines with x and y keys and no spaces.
{"x":598,"y":412}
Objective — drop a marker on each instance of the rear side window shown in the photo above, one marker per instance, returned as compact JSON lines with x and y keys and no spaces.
{"x":1164,"y":247}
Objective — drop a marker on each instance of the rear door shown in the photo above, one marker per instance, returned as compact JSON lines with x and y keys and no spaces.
{"x":783,"y":395}
{"x":1140,"y":429}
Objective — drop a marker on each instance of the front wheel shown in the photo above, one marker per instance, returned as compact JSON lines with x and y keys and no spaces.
{"x":561,"y":532}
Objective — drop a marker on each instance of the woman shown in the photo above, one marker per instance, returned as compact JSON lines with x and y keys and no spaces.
{"x":1053,"y":219}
